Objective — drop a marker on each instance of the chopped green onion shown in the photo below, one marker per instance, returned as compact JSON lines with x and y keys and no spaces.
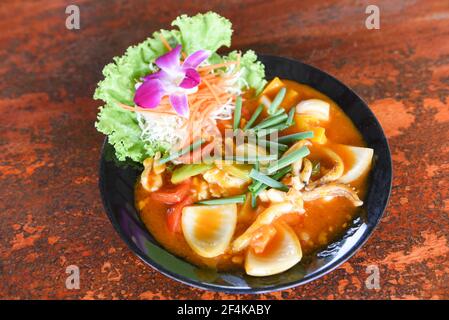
{"x":237,"y":112}
{"x":254,"y":117}
{"x":277,"y":176}
{"x":256,"y":186}
{"x":256,"y":175}
{"x":270,"y":144}
{"x":291,"y":118}
{"x":271,"y":121}
{"x":183,"y":151}
{"x":269,"y":157}
{"x":228,"y":200}
{"x":253,"y":201}
{"x":277,"y":101}
{"x":278,"y":112}
{"x":295,"y":137}
{"x":288,"y":159}
{"x":265,"y":132}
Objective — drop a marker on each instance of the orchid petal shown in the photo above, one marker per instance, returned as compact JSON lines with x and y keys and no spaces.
{"x":169,"y":62}
{"x":180,"y":103}
{"x":191,"y":79}
{"x":149,"y":94}
{"x":195,"y":59}
{"x":157,"y":75}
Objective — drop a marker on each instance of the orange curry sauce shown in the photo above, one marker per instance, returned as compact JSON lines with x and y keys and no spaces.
{"x":324,"y":220}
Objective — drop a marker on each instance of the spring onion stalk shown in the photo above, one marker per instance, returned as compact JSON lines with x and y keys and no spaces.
{"x":254,"y":117}
{"x":258,"y":176}
{"x":237,"y":112}
{"x":265,"y":132}
{"x":288,"y":159}
{"x":277,"y":101}
{"x":278,"y":112}
{"x":269,"y":130}
{"x":271,"y":121}
{"x":269,"y":157}
{"x":228,"y":200}
{"x":295,"y":137}
{"x":277,"y":176}
{"x":291,"y":118}
{"x":258,"y":186}
{"x":253,"y":201}
{"x":270,"y":144}
{"x":175,"y":155}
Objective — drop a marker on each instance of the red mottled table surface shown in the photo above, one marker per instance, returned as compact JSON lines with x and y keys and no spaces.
{"x":51,"y":215}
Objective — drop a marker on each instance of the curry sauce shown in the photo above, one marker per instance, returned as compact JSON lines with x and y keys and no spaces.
{"x":323,"y":220}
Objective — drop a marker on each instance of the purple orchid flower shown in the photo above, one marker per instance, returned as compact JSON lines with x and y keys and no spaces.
{"x":174,"y":80}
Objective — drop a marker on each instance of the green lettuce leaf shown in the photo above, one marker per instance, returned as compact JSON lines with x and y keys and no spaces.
{"x":252,"y":70}
{"x":208,"y":31}
{"x":120,"y":125}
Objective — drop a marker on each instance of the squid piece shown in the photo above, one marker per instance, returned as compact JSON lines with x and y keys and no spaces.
{"x":273,"y":195}
{"x":282,"y":203}
{"x":306,"y":172}
{"x":299,"y":178}
{"x":221,"y":181}
{"x":334,"y":174}
{"x":151,"y":177}
{"x":333,"y":190}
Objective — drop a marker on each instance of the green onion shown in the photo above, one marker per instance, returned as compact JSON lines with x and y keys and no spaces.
{"x":291,"y":115}
{"x":183,"y":151}
{"x":256,"y":175}
{"x":237,"y":112}
{"x":277,"y":176}
{"x":277,"y":101}
{"x":265,"y":132}
{"x":296,"y":136}
{"x":258,"y":186}
{"x":228,"y":200}
{"x":271,"y":121}
{"x":288,"y":159}
{"x":254,"y":117}
{"x":253,"y":201}
{"x":270,"y":144}
{"x":269,"y":157}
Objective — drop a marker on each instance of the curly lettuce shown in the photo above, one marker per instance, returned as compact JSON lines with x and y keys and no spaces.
{"x":203,"y":31}
{"x":252,"y":71}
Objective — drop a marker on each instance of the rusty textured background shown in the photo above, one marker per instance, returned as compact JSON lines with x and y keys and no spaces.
{"x":50,"y":211}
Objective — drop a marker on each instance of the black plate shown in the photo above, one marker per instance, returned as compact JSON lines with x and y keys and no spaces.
{"x":116,"y":187}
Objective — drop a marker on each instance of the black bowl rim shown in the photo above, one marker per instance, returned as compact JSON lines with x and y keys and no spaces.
{"x":217,"y":288}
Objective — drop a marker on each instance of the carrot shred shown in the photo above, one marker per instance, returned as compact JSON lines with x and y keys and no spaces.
{"x":165,"y":42}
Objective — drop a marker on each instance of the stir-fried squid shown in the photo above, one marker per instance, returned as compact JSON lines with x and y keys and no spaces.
{"x":261,"y":216}
{"x":333,"y":189}
{"x":334,"y":173}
